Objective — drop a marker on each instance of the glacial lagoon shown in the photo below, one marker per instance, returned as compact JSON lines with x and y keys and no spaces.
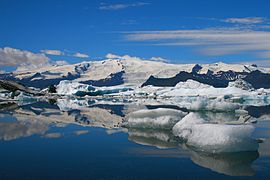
{"x":107,"y":139}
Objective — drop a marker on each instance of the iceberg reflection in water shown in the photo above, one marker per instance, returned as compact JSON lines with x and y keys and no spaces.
{"x":220,"y":141}
{"x":233,"y":164}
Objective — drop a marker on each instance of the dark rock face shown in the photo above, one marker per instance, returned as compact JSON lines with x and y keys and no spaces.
{"x":41,"y":82}
{"x":196,"y":68}
{"x":258,"y":79}
{"x":112,"y":80}
{"x":38,"y":80}
{"x":221,"y":79}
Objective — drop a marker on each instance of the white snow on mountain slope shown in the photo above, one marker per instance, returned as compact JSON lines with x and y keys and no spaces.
{"x":137,"y":70}
{"x":101,"y":70}
{"x":49,"y":72}
{"x":216,"y":67}
{"x":220,"y":66}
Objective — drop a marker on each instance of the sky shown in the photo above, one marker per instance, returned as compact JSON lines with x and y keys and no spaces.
{"x":36,"y":33}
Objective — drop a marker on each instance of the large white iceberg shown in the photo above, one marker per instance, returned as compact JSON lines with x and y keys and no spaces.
{"x":238,"y":88}
{"x":66,"y":87}
{"x":73,"y":88}
{"x":215,"y":138}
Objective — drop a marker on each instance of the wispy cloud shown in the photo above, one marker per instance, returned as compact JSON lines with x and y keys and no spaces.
{"x":128,"y":57}
{"x":52,"y":52}
{"x":120,"y":6}
{"x":209,"y":41}
{"x":80,"y":55}
{"x":64,"y":53}
{"x":246,"y":20}
{"x":159,"y":59}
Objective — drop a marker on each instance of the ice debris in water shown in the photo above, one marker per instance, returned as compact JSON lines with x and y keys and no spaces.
{"x":157,"y":118}
{"x":215,"y":138}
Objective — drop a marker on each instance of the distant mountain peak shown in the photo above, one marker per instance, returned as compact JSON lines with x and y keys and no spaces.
{"x":133,"y":71}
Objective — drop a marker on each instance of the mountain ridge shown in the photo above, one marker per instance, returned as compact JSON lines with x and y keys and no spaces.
{"x":132,"y":71}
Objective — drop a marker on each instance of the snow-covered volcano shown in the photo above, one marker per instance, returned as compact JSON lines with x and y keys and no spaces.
{"x":132,"y":71}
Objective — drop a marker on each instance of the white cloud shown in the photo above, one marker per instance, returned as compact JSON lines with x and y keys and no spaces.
{"x":112,"y":56}
{"x":124,"y":57}
{"x":247,"y":20}
{"x":212,"y":42}
{"x":2,"y":71}
{"x":52,"y":52}
{"x":121,"y":6}
{"x":128,"y":57}
{"x":80,"y":55}
{"x":158,"y":59}
{"x":21,"y":58}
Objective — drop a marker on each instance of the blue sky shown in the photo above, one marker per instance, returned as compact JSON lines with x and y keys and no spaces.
{"x":182,"y":31}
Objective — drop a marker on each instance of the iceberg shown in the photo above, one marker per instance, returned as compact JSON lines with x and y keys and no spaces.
{"x":238,"y":89}
{"x":78,"y":89}
{"x":73,"y":88}
{"x":160,"y":118}
{"x":215,"y":138}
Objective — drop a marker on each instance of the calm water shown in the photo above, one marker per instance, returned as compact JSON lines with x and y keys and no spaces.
{"x":40,"y":141}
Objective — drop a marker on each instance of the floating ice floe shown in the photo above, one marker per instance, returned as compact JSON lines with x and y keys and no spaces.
{"x":238,"y":88}
{"x":157,"y":118}
{"x":215,"y":138}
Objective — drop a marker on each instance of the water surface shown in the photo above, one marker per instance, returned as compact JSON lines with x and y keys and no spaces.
{"x":40,"y":141}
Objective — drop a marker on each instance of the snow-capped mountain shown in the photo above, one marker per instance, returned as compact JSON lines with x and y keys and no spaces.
{"x":132,"y":71}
